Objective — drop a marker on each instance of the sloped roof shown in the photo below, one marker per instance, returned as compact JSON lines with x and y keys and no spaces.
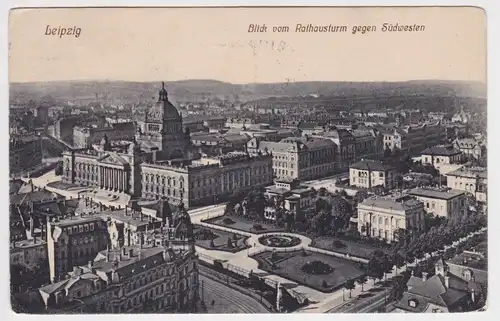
{"x":371,"y":165}
{"x":434,"y":291}
{"x":441,"y":151}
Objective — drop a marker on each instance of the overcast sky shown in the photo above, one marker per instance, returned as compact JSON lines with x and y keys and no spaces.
{"x":151,"y":44}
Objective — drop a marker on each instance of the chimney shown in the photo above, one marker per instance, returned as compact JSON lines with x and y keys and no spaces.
{"x":89,"y":264}
{"x":447,"y":281}
{"x":107,"y":256}
{"x":100,"y":206}
{"x":473,"y":295}
{"x":142,"y":217}
{"x":141,"y":241}
{"x":424,"y":276}
{"x":126,"y":210}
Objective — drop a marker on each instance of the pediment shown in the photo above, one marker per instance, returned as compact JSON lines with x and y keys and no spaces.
{"x":112,"y":159}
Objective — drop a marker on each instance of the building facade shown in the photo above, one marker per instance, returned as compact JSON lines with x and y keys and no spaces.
{"x":25,"y":153}
{"x":207,"y":180}
{"x":369,"y":173}
{"x":441,"y":154}
{"x":444,"y":202}
{"x":156,"y":273}
{"x":473,"y":180}
{"x":300,"y":158}
{"x":385,"y":217}
{"x":470,"y":147}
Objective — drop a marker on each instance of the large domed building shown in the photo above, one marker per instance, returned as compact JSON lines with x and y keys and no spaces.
{"x":161,"y":130}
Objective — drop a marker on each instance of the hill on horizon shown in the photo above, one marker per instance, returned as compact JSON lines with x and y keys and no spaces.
{"x":203,"y":89}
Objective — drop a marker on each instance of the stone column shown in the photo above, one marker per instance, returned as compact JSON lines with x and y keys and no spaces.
{"x":108,"y":178}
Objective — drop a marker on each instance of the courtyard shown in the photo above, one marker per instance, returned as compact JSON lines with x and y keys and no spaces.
{"x":321,"y":272}
{"x":241,"y":224}
{"x":214,"y":239}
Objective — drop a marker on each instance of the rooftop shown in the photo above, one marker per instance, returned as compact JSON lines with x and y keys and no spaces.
{"x":439,"y":193}
{"x":441,"y":150}
{"x":392,"y":203}
{"x":371,"y":165}
{"x":37,"y":196}
{"x":20,"y":245}
{"x":471,"y":172}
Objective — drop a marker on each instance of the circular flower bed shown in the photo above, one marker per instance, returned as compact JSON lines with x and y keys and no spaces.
{"x":317,"y":268}
{"x":279,"y":240}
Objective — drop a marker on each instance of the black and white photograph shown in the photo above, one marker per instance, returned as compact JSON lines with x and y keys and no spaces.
{"x":248,"y":160}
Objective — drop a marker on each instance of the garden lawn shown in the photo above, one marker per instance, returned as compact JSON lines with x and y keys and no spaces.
{"x":220,"y":240}
{"x":350,"y":247}
{"x":289,"y":265}
{"x":244,"y":225}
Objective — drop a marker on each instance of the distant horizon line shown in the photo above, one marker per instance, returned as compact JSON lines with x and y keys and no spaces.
{"x":249,"y":83}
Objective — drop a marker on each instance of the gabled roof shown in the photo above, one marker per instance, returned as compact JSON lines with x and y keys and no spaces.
{"x":434,"y":291}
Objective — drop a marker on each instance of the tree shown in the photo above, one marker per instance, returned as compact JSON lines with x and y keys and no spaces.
{"x":377,"y":265}
{"x":362,"y":281}
{"x":350,"y":285}
{"x":398,"y":260}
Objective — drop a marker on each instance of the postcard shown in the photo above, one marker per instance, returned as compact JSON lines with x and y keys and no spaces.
{"x":248,"y":160}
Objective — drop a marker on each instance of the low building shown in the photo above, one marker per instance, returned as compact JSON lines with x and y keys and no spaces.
{"x":470,"y":266}
{"x":442,"y":293}
{"x":294,"y":198}
{"x":473,"y":180}
{"x":441,"y":154}
{"x":370,"y":173}
{"x":444,"y":202}
{"x":470,"y":147}
{"x":385,"y":217}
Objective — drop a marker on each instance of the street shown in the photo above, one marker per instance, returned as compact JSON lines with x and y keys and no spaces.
{"x":226,"y":299}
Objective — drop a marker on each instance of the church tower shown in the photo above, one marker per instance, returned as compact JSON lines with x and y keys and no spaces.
{"x":163,"y":129}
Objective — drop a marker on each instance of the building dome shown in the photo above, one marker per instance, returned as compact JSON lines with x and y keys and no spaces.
{"x":162,"y":109}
